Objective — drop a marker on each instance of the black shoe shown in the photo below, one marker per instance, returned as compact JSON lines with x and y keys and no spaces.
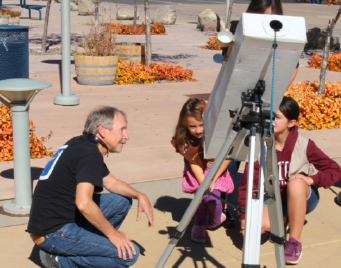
{"x":230,"y":221}
{"x":48,"y":260}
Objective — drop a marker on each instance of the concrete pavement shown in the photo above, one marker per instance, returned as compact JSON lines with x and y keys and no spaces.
{"x":148,"y":161}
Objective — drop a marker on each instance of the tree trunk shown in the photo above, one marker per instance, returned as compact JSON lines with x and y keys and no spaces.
{"x":229,"y":14}
{"x":135,"y":14}
{"x":326,"y":49}
{"x":148,"y":36}
{"x":46,"y":23}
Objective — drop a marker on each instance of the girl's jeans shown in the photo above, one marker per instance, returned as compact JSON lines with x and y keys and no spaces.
{"x":209,"y":211}
{"x":82,"y":245}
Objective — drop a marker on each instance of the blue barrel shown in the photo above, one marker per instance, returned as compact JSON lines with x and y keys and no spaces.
{"x":13,"y":51}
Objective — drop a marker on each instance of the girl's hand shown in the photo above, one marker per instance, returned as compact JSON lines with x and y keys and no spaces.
{"x":308,"y":180}
{"x":212,"y":186}
{"x":242,"y":226}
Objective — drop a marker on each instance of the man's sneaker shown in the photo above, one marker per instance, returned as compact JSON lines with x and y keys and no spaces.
{"x":48,"y":260}
{"x":293,"y":251}
{"x":198,"y":234}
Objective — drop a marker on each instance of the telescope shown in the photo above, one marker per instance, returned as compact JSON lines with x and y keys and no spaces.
{"x":249,"y":62}
{"x":238,"y":122}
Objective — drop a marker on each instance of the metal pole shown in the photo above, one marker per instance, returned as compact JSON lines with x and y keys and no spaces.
{"x":66,"y":98}
{"x":253,"y":209}
{"x":96,"y":14}
{"x":227,"y":11}
{"x":20,"y":93}
{"x":197,"y":198}
{"x":22,"y":172}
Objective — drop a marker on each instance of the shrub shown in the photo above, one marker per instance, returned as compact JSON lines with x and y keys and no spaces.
{"x":317,"y":111}
{"x":212,"y":44}
{"x":9,"y":12}
{"x":156,"y":28}
{"x":37,"y":149}
{"x":99,"y":42}
{"x":131,"y":73}
{"x":333,"y":63}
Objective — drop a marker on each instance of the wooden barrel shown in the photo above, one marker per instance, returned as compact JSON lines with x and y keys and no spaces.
{"x":96,"y":70}
{"x":131,"y":52}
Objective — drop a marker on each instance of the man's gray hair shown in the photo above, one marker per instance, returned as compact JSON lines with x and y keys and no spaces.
{"x":104,"y":116}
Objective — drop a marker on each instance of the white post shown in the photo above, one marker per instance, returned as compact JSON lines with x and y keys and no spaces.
{"x":227,"y":11}
{"x":20,"y":93}
{"x":66,"y":98}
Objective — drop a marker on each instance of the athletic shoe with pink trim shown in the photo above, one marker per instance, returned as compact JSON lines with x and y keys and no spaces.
{"x":293,"y":251}
{"x":198,"y":234}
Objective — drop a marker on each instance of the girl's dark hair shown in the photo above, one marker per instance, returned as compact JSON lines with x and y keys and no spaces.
{"x":259,"y":6}
{"x":192,"y":107}
{"x":289,"y":108}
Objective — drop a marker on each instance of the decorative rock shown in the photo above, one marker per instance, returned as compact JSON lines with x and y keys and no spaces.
{"x":165,"y":15}
{"x":124,"y":13}
{"x":73,"y":6}
{"x":73,"y":1}
{"x":86,"y":7}
{"x":316,"y":39}
{"x":209,"y":21}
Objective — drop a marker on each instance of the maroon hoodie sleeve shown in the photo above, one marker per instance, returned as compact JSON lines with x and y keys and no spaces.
{"x":242,"y":192}
{"x":329,"y":172}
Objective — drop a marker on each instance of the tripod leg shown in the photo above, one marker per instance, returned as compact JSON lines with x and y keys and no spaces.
{"x":197,"y":198}
{"x":253,"y":210}
{"x":274,"y":202}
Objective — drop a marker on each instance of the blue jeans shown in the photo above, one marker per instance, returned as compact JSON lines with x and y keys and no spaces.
{"x":80,"y":244}
{"x":312,"y":202}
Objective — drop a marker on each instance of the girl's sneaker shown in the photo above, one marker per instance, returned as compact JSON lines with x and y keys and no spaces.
{"x":222,"y":220}
{"x":230,"y":221}
{"x":198,"y":234}
{"x":293,"y":251}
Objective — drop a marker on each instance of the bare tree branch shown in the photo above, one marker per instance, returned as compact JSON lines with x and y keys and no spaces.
{"x":326,"y":50}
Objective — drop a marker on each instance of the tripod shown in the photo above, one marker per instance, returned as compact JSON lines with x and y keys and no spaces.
{"x":255,"y":119}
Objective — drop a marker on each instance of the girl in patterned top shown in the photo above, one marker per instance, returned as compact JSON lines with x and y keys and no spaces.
{"x":187,"y":141}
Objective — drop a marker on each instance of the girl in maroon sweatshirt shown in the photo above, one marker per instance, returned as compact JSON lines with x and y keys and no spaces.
{"x":302,"y":168}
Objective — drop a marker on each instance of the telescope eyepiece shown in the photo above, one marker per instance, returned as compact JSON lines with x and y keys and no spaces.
{"x":276,"y":25}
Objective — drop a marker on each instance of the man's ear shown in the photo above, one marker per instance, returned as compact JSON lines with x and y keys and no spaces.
{"x":101,"y":131}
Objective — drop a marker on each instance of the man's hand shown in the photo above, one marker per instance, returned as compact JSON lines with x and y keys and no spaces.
{"x":145,"y":206}
{"x":123,"y":244}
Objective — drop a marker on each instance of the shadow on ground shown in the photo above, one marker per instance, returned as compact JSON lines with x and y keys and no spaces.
{"x":171,"y":59}
{"x":55,"y":39}
{"x":187,"y":248}
{"x":9,"y":173}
